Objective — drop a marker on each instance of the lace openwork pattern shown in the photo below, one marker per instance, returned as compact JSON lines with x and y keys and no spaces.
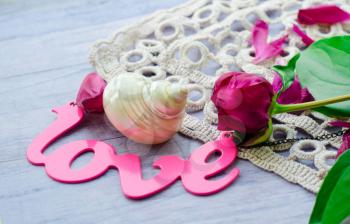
{"x":197,"y":42}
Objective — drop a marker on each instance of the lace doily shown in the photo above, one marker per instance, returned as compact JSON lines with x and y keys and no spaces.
{"x":198,"y":41}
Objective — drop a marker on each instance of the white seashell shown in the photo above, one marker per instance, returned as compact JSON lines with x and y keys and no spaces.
{"x":145,"y":111}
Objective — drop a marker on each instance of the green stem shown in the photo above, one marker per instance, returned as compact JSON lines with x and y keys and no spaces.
{"x":279,"y":108}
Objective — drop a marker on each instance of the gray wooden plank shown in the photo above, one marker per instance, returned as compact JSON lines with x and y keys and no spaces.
{"x":255,"y":196}
{"x":34,"y":18}
{"x":43,"y":57}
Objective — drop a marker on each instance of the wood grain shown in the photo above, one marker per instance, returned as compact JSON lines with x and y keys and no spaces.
{"x":43,"y":57}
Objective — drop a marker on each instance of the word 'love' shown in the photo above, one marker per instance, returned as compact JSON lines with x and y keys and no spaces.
{"x":194,"y":172}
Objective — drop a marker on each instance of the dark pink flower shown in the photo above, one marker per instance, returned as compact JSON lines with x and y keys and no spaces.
{"x":346,"y":137}
{"x":263,"y":49}
{"x":242,"y":101}
{"x":304,"y":37}
{"x":294,"y":94}
{"x":91,"y":92}
{"x":323,"y":14}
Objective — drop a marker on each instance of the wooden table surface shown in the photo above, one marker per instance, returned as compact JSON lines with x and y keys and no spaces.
{"x":44,"y":48}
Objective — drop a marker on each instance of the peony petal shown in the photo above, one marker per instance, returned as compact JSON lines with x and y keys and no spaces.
{"x":227,"y":122}
{"x":260,"y":35}
{"x":304,"y":37}
{"x":90,"y":93}
{"x":294,"y":94}
{"x":346,"y":137}
{"x":228,"y":99}
{"x":323,"y":14}
{"x":263,"y":49}
{"x":342,"y":124}
{"x":306,"y":96}
{"x":277,"y":83}
{"x":224,"y":78}
{"x":345,"y":144}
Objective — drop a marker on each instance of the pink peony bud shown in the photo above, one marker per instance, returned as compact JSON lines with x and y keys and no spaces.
{"x":243,"y":101}
{"x":246,"y":102}
{"x":90,"y":93}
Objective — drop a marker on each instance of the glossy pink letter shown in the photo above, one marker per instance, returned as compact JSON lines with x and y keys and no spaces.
{"x":195,"y":172}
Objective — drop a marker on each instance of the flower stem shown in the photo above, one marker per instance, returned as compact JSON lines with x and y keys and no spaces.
{"x":279,"y":108}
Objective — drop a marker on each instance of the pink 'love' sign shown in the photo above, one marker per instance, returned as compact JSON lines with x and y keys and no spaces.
{"x":194,"y":172}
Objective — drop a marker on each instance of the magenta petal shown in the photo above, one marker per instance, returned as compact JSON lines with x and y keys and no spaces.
{"x":228,"y":99}
{"x":346,"y":137}
{"x":90,"y":93}
{"x":260,"y":35}
{"x":291,"y":95}
{"x":226,"y":122}
{"x":294,"y":94}
{"x":345,"y":144}
{"x":304,"y":37}
{"x":324,"y":14}
{"x":342,"y":124}
{"x":263,"y":49}
{"x":306,"y":96}
{"x":277,"y":83}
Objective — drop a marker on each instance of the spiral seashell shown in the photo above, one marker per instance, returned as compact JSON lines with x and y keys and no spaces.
{"x":145,"y":111}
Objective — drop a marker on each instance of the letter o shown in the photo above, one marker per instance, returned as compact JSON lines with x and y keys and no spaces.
{"x":58,"y":164}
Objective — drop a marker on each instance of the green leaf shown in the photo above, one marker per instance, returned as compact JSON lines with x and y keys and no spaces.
{"x":332,"y":203}
{"x":287,"y":72}
{"x":324,"y":68}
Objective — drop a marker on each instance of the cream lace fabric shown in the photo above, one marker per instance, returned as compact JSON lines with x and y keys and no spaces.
{"x":198,"y":41}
